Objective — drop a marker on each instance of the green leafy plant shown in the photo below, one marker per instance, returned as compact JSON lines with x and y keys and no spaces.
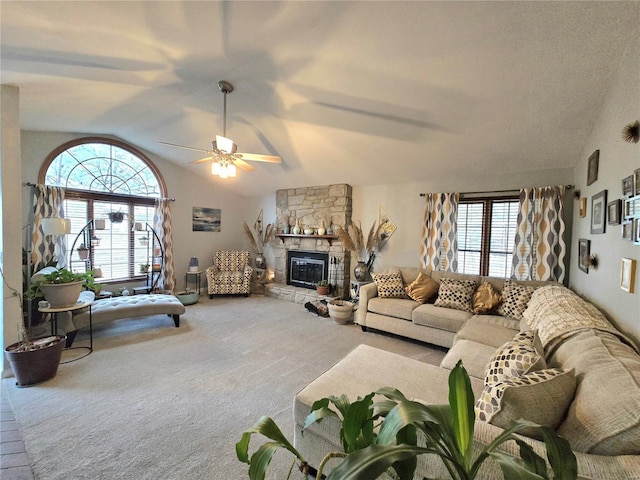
{"x":447,"y":431}
{"x":58,"y":276}
{"x":322,"y":283}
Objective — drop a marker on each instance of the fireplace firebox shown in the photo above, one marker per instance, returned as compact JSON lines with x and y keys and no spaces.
{"x":306,"y":269}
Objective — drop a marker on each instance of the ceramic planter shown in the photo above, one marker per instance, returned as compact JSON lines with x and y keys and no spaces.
{"x":61,"y":295}
{"x":35,"y":366}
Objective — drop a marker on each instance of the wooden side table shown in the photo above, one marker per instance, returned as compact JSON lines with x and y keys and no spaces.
{"x":54,"y":323}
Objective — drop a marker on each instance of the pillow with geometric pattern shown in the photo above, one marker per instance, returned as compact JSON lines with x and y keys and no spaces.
{"x":515,"y":358}
{"x":515,"y":298}
{"x":389,"y":285}
{"x":455,"y":294}
{"x":542,"y":397}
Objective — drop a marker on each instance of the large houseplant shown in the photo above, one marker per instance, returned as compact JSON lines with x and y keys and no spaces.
{"x":32,"y":360}
{"x":379,"y":437}
{"x":60,"y":287}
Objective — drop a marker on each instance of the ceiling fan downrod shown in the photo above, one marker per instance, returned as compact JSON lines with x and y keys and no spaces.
{"x":226,"y":88}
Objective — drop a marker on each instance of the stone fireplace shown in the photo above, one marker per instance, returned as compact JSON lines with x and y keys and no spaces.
{"x":309,"y":205}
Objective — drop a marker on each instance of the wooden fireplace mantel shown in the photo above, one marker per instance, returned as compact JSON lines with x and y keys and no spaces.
{"x":328,"y":238}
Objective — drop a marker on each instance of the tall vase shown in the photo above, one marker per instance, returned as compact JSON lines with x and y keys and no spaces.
{"x":360,"y":271}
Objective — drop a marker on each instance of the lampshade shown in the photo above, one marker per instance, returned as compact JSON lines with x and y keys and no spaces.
{"x":56,"y":226}
{"x":215,"y":168}
{"x":225,"y":144}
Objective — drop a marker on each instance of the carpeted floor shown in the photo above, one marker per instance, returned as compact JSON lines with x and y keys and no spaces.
{"x":157,"y":402}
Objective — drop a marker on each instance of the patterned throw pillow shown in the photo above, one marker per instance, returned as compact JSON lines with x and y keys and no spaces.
{"x":389,"y":285}
{"x":542,"y":397}
{"x":514,"y":359}
{"x":455,"y":294}
{"x":515,"y":298}
{"x":485,"y":299}
{"x":422,"y":289}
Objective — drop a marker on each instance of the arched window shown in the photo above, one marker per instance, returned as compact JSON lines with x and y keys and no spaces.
{"x":102,"y":176}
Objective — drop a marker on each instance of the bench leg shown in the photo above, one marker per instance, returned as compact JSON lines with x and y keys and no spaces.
{"x":176,"y":320}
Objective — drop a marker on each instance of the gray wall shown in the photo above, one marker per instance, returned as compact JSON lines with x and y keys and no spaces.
{"x":618,"y":159}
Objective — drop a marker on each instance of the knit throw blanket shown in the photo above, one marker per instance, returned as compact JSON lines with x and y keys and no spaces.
{"x":557,"y":313}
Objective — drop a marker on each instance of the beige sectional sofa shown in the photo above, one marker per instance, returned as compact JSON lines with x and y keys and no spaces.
{"x":597,"y":410}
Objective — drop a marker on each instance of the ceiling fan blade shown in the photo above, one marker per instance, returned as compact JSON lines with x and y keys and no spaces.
{"x":255,"y":157}
{"x":242,"y":165}
{"x":183,"y":146}
{"x":202,"y":160}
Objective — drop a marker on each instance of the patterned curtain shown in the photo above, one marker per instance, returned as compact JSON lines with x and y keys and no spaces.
{"x":539,"y":248}
{"x":162,"y":226}
{"x":48,"y":202}
{"x":439,"y":242}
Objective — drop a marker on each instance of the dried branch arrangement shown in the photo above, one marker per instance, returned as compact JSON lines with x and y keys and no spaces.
{"x":257,"y":237}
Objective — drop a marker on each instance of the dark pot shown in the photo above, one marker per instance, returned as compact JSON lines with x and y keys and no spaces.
{"x":35,"y":366}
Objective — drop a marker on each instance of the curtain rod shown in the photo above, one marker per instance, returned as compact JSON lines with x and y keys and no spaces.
{"x":568,"y":187}
{"x":29,"y":184}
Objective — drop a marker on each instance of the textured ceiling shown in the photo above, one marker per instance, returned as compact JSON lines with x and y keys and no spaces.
{"x":340,"y":90}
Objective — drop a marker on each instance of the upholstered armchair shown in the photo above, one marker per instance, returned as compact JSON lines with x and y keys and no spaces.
{"x":230,"y":273}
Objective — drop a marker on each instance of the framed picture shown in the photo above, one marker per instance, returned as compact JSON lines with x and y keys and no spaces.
{"x":627,"y":186}
{"x":636,"y":181}
{"x":636,"y":230}
{"x":627,"y":274}
{"x":584,"y":246}
{"x":206,"y":219}
{"x":627,"y":231}
{"x":583,"y":207}
{"x":592,"y":171}
{"x":598,"y":212}
{"x":613,"y":212}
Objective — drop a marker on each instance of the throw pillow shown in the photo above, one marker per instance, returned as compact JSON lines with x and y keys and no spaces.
{"x":485,"y":299}
{"x":515,"y":358}
{"x":455,"y":294}
{"x":515,"y":298}
{"x":422,"y":289}
{"x":389,"y":285}
{"x":542,"y":397}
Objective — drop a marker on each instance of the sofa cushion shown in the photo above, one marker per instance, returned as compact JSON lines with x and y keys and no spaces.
{"x":515,"y":358}
{"x":429,"y":315}
{"x":475,"y":357}
{"x":393,"y":307}
{"x":542,"y":397}
{"x":455,"y":294}
{"x":604,"y":418}
{"x":491,"y":330}
{"x":515,"y":298}
{"x":422,"y":289}
{"x":486,"y":299}
{"x":389,"y":285}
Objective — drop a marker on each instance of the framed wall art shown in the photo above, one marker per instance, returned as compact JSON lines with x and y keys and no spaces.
{"x":627,"y":186}
{"x":592,"y":170}
{"x":627,"y":231}
{"x":206,"y":219}
{"x":583,"y":207}
{"x":598,"y":212}
{"x":584,"y":246}
{"x":627,"y":274}
{"x":614,"y":212}
{"x":636,"y":181}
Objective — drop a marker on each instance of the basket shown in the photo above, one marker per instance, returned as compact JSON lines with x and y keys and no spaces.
{"x":341,"y":311}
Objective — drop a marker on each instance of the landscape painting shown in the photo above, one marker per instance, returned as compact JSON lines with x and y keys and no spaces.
{"x":206,"y":219}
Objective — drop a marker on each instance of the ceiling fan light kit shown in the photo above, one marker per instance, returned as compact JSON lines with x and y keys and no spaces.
{"x":223,"y":157}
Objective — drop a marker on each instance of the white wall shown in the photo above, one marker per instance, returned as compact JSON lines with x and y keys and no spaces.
{"x":618,"y":159}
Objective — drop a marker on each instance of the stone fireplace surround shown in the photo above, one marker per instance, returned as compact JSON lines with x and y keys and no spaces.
{"x":309,"y":205}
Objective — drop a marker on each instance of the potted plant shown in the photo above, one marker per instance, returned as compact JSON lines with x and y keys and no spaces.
{"x":353,"y":241}
{"x":32,"y":361}
{"x":258,"y":239}
{"x":144,"y":268}
{"x":322,"y":287}
{"x":83,"y":251}
{"x":382,"y":436}
{"x":60,"y":287}
{"x":116,"y":217}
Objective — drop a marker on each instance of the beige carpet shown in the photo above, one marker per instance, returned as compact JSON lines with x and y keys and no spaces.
{"x":157,"y":402}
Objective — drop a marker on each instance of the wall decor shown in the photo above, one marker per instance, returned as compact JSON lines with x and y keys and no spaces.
{"x":614,"y":211}
{"x":385,"y":224}
{"x":627,"y":231}
{"x":592,"y":171}
{"x":636,"y":181}
{"x":206,"y":219}
{"x":583,"y":207}
{"x":627,"y":186}
{"x":636,"y":230}
{"x":627,"y":274}
{"x":598,"y":212}
{"x":584,"y":246}
{"x":631,"y":132}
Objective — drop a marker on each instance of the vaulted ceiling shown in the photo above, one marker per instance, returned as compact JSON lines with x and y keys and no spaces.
{"x":359,"y":92}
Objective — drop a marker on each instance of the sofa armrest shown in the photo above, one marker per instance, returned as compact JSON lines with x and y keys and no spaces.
{"x":366,"y":292}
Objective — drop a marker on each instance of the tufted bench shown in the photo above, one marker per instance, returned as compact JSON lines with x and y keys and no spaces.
{"x":116,"y":308}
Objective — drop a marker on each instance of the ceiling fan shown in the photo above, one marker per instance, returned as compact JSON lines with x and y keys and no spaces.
{"x":223,"y":155}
